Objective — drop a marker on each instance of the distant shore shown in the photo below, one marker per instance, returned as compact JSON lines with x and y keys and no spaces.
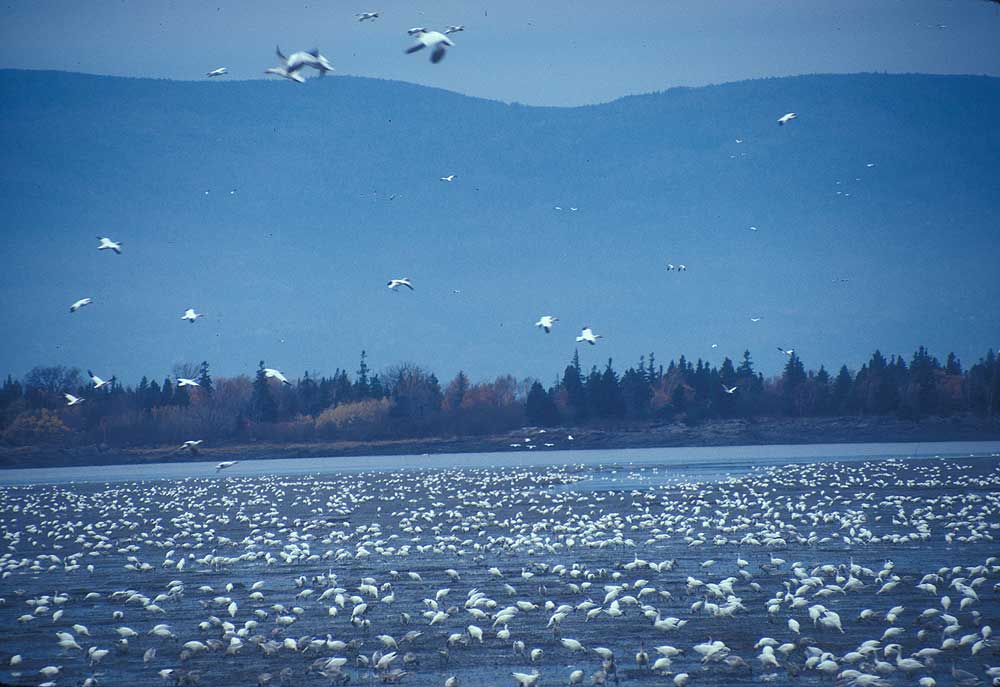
{"x":762,"y":431}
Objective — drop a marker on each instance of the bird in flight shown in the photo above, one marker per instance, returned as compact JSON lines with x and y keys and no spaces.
{"x":190,"y":315}
{"x":79,"y":304}
{"x":435,"y":40}
{"x":98,"y":382}
{"x":184,"y":381}
{"x":786,"y":352}
{"x":108,"y":244}
{"x":396,"y":283}
{"x":785,"y":118}
{"x":730,"y":389}
{"x":546,"y":322}
{"x":221,"y":71}
{"x":449,"y":178}
{"x":225,"y":464}
{"x":588,"y":335}
{"x":365,"y":16}
{"x":454,"y":29}
{"x":271,"y":373}
{"x":190,"y":445}
{"x":756,"y":319}
{"x":72,"y":400}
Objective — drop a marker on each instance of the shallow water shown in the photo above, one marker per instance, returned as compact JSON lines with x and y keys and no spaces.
{"x":595,"y":512}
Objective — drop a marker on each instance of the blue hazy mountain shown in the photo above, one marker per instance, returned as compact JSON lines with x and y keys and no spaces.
{"x":281,"y":211}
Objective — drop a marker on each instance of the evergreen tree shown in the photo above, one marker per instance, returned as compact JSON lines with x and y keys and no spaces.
{"x":264,"y":407}
{"x":362,"y":388}
{"x":455,"y":392}
{"x":540,"y":409}
{"x":205,"y":379}
{"x":572,"y":384}
{"x":953,"y":365}
{"x":167,"y":392}
{"x":842,"y":391}
{"x":793,"y":380}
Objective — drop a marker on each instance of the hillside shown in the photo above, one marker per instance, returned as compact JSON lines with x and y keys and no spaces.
{"x":234,"y":193}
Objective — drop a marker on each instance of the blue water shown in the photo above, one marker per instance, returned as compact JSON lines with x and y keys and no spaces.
{"x":703,"y":462}
{"x":900,"y":511}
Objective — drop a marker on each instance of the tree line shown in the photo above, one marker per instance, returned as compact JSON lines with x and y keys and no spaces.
{"x":408,"y":401}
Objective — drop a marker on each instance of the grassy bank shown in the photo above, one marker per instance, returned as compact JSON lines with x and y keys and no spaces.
{"x":762,"y":431}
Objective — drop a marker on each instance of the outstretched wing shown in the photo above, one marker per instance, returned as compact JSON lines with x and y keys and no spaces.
{"x":281,"y":55}
{"x":438,"y":54}
{"x":414,"y":48}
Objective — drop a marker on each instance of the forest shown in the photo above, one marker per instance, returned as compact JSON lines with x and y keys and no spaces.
{"x":407,"y":401}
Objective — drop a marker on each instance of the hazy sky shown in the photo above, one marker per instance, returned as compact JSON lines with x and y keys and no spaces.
{"x":515,"y":50}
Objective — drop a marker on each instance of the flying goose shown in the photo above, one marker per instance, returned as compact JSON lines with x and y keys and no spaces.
{"x":271,"y":373}
{"x":184,"y":381}
{"x":730,"y":389}
{"x":546,"y":322}
{"x":98,"y":382}
{"x":449,"y":178}
{"x":785,"y":118}
{"x":396,"y":283}
{"x":190,"y":315}
{"x":108,"y":244}
{"x":225,"y":464}
{"x":786,"y":352}
{"x":454,"y":29}
{"x":79,"y":304}
{"x":218,"y":72}
{"x":191,"y":445}
{"x":437,"y":41}
{"x":588,"y":335}
{"x":365,"y":16}
{"x":72,"y":400}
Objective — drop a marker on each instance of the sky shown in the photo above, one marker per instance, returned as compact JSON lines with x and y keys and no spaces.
{"x":533,"y":53}
{"x":537,"y":53}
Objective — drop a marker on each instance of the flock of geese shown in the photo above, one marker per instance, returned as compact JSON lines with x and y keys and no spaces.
{"x":854,"y":574}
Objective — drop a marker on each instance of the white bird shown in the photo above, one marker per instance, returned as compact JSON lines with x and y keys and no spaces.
{"x":108,"y":244}
{"x":756,"y":319}
{"x":98,"y":382}
{"x":546,"y":322}
{"x":225,"y":464}
{"x":588,"y":335}
{"x":311,"y":58}
{"x":190,"y":315}
{"x":437,"y":41}
{"x":218,"y":72}
{"x":396,"y":283}
{"x":786,"y":352}
{"x":184,"y":381}
{"x":449,"y":178}
{"x":79,"y":304}
{"x":191,"y":445}
{"x":785,"y":118}
{"x":365,"y":16}
{"x":454,"y":29}
{"x":72,"y":400}
{"x":284,"y":72}
{"x":730,"y":390}
{"x":271,"y":373}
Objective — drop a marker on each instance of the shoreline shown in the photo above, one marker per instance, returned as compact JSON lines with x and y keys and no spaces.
{"x":763,"y":432}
